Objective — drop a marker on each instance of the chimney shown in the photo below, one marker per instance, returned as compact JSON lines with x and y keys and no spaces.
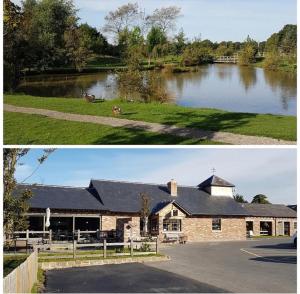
{"x":172,"y":186}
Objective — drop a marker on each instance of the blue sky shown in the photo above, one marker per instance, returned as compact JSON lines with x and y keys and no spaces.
{"x":216,"y":20}
{"x":253,"y":171}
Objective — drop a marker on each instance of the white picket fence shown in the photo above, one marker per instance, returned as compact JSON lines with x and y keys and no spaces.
{"x":22,"y":278}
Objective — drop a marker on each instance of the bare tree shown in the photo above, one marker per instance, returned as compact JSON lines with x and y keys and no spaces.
{"x":164,"y":18}
{"x":145,"y":211}
{"x":124,"y":17}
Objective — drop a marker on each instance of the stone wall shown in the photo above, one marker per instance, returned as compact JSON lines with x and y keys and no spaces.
{"x":121,"y":225}
{"x":277,"y":225}
{"x":200,"y":229}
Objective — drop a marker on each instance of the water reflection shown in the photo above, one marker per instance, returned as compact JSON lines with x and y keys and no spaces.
{"x":221,"y":86}
{"x":283,"y":84}
{"x":247,"y":76}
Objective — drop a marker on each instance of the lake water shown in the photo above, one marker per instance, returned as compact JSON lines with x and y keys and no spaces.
{"x":221,"y":86}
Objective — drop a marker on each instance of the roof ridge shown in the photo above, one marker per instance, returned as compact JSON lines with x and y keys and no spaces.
{"x":141,"y":183}
{"x":56,"y":186}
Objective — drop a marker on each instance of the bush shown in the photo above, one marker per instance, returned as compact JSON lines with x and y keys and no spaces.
{"x":145,"y":86}
{"x":145,"y":247}
{"x":195,"y":55}
{"x":272,"y":61}
{"x":247,"y":55}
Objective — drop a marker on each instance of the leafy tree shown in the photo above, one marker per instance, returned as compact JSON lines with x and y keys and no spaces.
{"x":93,"y":40}
{"x":145,"y":211}
{"x":239,"y":198}
{"x":156,"y":38}
{"x":207,"y":43}
{"x":224,"y":50}
{"x":261,"y":199}
{"x":13,"y":43}
{"x":76,"y":47}
{"x":285,"y":41}
{"x":15,"y":205}
{"x":51,"y":18}
{"x":164,"y":18}
{"x":195,"y":55}
{"x":180,"y":42}
{"x":248,"y":52}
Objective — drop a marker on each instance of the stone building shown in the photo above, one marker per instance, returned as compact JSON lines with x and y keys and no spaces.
{"x":270,"y":219}
{"x":205,"y":212}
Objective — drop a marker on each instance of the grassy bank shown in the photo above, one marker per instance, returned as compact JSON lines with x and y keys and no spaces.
{"x":34,"y":129}
{"x":96,"y":257}
{"x":275,"y":126}
{"x":39,"y":285}
{"x":283,"y":65}
{"x":11,"y":262}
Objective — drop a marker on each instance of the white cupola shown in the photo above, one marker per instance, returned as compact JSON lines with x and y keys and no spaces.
{"x":216,"y":186}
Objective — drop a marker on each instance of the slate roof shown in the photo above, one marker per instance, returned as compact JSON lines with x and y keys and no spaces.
{"x":62,"y":197}
{"x":125,"y":197}
{"x":215,"y":181}
{"x":271,"y":210}
{"x":294,"y":206}
{"x":103,"y":195}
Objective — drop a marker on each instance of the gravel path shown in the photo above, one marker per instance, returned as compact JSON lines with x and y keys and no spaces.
{"x":193,"y":133}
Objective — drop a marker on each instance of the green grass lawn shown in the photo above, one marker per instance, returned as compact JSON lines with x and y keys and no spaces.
{"x":41,"y":259}
{"x":35,"y":129}
{"x":11,"y":262}
{"x":39,"y":285}
{"x":275,"y":126}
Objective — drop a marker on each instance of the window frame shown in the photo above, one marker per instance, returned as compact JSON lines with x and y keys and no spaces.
{"x":169,"y":224}
{"x":213,"y":224}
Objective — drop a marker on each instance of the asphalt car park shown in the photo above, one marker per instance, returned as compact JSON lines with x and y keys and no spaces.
{"x":123,"y":278}
{"x":264,"y":265}
{"x":257,"y":265}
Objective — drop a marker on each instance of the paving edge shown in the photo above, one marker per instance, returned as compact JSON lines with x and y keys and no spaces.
{"x":82,"y":263}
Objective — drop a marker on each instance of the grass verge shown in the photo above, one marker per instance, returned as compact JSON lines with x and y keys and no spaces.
{"x":11,"y":262}
{"x":95,"y":258}
{"x":39,"y":285}
{"x":268,"y":125}
{"x":35,"y":129}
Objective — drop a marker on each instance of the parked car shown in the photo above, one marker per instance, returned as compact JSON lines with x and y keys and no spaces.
{"x":294,"y":239}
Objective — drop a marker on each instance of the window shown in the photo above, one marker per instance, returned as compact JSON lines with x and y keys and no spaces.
{"x":216,"y":224}
{"x":172,"y":225}
{"x":295,"y":225}
{"x":174,"y":212}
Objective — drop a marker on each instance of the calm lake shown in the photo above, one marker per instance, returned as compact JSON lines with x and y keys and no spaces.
{"x":221,"y":86}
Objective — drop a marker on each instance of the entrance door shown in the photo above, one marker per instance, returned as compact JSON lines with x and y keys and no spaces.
{"x":287,"y":228}
{"x":249,"y":227}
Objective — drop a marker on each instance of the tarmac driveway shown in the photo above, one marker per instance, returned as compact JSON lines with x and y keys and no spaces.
{"x":123,"y":278}
{"x":260,"y":265}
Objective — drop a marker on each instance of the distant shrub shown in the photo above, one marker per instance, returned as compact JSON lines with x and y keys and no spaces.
{"x":195,"y":55}
{"x":272,"y":61}
{"x":145,"y":86}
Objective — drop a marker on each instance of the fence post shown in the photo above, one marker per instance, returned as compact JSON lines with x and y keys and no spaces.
{"x":78,"y":237}
{"x":131,"y":247}
{"x":104,"y":248}
{"x":50,"y":236}
{"x":74,"y":248}
{"x":27,"y":235}
{"x":156,"y":246}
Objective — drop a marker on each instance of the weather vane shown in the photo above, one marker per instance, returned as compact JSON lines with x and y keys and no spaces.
{"x":213,"y":170}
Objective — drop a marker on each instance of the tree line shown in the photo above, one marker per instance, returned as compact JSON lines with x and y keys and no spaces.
{"x":259,"y":198}
{"x":43,"y":34}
